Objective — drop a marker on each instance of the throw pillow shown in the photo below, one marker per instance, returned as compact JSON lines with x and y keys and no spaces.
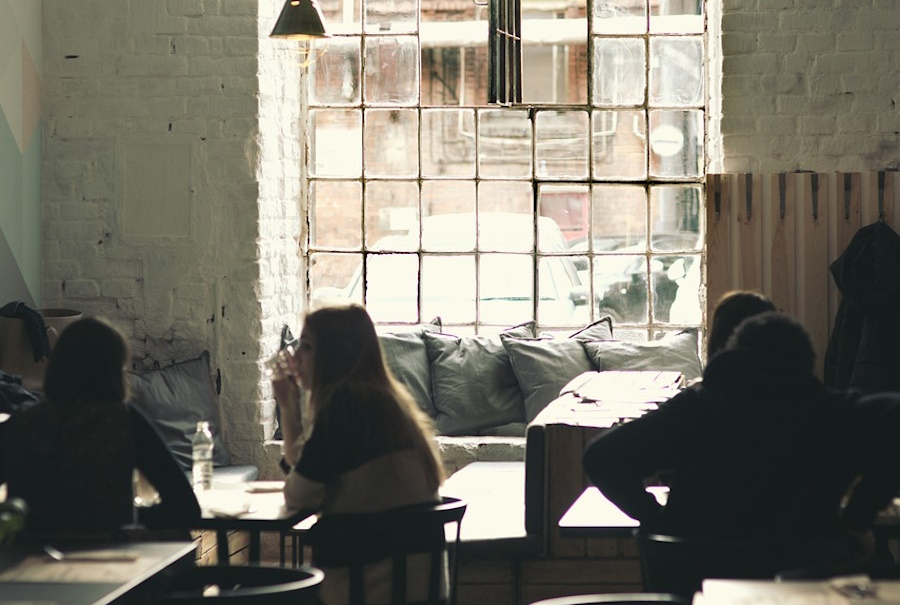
{"x":407,"y":358}
{"x":676,"y":352}
{"x":473,"y":382}
{"x":176,"y":397}
{"x":544,"y":366}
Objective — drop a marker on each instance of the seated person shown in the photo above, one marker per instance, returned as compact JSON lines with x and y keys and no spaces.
{"x":72,"y":456}
{"x":365,"y":446}
{"x":759,"y":449}
{"x":731,"y":309}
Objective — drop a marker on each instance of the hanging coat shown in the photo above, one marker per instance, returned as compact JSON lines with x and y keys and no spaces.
{"x":864,"y":347}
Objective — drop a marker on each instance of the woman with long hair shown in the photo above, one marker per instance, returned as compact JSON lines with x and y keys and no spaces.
{"x":72,"y":457}
{"x":357,"y":441}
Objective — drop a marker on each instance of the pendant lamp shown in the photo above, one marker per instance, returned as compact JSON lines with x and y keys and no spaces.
{"x":300,"y":20}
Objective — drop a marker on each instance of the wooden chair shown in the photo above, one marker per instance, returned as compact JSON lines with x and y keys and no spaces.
{"x":352,"y":541}
{"x":244,"y":585}
{"x":624,"y":598}
{"x":678,"y":565}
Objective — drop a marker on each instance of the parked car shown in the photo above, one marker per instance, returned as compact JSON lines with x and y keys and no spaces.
{"x":504,"y":291}
{"x":623,"y":275}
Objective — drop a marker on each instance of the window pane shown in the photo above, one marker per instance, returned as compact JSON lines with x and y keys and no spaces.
{"x":506,"y":232}
{"x":334,"y":77}
{"x":335,"y":142}
{"x":620,"y":75}
{"x":620,"y":17}
{"x":504,"y":144}
{"x":620,"y":285}
{"x":619,"y":217}
{"x":563,"y":300}
{"x":676,"y":17}
{"x":445,"y":197}
{"x":332,"y":277}
{"x":448,"y":143}
{"x":620,"y":144}
{"x":392,"y":209}
{"x":675,"y":224}
{"x":568,"y":207}
{"x":676,"y":144}
{"x":392,"y":287}
{"x":676,"y":72}
{"x":341,"y":17}
{"x":392,"y":143}
{"x":506,"y":196}
{"x":676,"y":277}
{"x":448,"y":288}
{"x":392,"y":75}
{"x":685,"y":308}
{"x":335,"y":210}
{"x":562,"y":144}
{"x":554,"y":40}
{"x":391,"y":16}
{"x":506,"y":284}
{"x":450,"y":232}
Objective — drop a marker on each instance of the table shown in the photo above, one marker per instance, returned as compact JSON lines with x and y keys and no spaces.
{"x":252,"y":507}
{"x":591,"y":403}
{"x":29,"y":576}
{"x":837,"y":591}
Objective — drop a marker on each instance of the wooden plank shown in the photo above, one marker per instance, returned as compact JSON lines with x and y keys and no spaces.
{"x":783,"y":259}
{"x":812,"y":272}
{"x":565,"y":482}
{"x":749,"y":248}
{"x":718,"y":239}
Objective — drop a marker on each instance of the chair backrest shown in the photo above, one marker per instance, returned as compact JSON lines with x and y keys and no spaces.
{"x":244,"y":585}
{"x":678,"y":565}
{"x":622,"y":598}
{"x":353,"y":540}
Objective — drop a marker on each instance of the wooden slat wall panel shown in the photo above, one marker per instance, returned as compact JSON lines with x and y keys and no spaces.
{"x":779,"y":234}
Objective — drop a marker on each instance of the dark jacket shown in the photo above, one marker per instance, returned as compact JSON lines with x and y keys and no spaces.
{"x":757,"y":449}
{"x":864,"y":348}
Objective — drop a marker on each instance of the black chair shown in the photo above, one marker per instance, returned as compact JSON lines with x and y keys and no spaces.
{"x":624,"y":598}
{"x":244,"y":585}
{"x":674,"y":564}
{"x":351,"y":541}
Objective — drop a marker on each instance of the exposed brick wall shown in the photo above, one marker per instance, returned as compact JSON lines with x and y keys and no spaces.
{"x":215,"y":265}
{"x":810,"y":85}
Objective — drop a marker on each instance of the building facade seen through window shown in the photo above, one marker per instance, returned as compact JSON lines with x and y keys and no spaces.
{"x":584,"y":200}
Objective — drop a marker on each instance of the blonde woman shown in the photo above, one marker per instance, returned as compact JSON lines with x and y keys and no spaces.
{"x":359,"y":443}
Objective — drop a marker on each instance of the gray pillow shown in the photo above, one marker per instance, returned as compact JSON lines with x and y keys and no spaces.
{"x":544,"y":366}
{"x":473,"y":384}
{"x":175,"y":398}
{"x":407,"y":358}
{"x":676,"y":352}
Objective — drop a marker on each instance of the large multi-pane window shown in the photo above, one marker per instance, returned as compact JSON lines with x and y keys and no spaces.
{"x":583,"y":200}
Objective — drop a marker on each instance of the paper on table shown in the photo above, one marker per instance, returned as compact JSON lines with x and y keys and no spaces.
{"x":223,"y":503}
{"x":762,"y":592}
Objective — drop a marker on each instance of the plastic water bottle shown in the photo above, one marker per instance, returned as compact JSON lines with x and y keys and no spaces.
{"x":202,"y":446}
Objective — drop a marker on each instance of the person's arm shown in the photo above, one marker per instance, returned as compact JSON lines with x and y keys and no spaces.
{"x":620,"y":459}
{"x":874,"y":435}
{"x":178,"y":505}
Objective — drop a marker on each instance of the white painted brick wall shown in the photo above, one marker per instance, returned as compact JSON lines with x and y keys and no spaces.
{"x":185,"y":70}
{"x":806,"y":84}
{"x":810,"y":85}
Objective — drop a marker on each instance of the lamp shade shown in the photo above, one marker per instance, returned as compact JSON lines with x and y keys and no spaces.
{"x":300,"y":20}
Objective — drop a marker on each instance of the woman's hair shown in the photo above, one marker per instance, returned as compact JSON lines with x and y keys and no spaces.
{"x":731,"y":309}
{"x":347,"y":356}
{"x":88,"y":362}
{"x":779,"y":337}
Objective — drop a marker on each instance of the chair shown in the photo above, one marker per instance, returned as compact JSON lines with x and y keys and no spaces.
{"x":678,"y":565}
{"x":351,"y":541}
{"x":624,"y":598}
{"x":244,"y":585}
